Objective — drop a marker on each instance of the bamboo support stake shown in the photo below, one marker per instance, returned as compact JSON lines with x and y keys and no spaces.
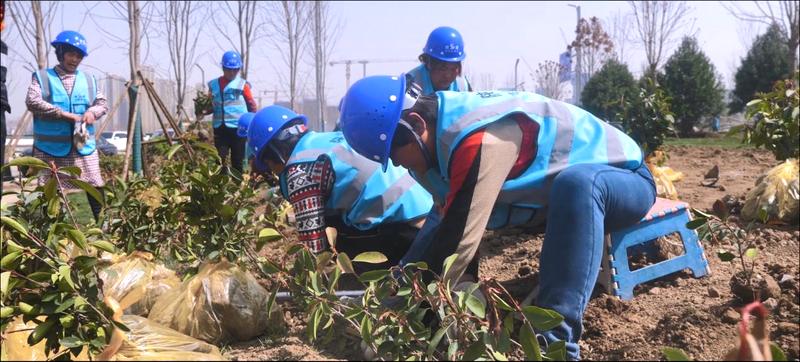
{"x":158,"y":116}
{"x":129,"y":144}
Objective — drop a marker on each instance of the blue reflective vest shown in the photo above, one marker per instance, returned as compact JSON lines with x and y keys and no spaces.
{"x":54,"y":136}
{"x":422,"y":77}
{"x":229,"y":104}
{"x":567,"y":136}
{"x":362,"y":194}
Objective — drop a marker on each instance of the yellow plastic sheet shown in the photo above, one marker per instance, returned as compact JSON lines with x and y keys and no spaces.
{"x":15,"y":343}
{"x":221,"y":303}
{"x":776,"y":193}
{"x":136,"y":282}
{"x":665,"y":178}
{"x":148,"y":341}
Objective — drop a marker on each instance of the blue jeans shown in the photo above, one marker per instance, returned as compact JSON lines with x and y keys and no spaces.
{"x":586,"y":202}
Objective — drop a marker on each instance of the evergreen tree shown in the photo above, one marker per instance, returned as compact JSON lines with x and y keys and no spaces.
{"x":605,"y":94}
{"x":691,"y":81}
{"x":767,"y":61}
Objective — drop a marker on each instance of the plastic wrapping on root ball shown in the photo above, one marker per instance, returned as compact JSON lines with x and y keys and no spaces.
{"x":15,"y":347}
{"x":221,"y":303}
{"x":776,"y":193}
{"x":148,"y":341}
{"x":664,"y":178}
{"x":137,"y":282}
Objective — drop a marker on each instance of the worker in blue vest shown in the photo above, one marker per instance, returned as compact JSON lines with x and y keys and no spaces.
{"x":231,"y":97}
{"x":441,"y":63}
{"x":329,"y":185}
{"x":498,"y":159}
{"x":65,"y":103}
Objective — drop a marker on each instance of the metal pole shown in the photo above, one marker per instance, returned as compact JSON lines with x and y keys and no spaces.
{"x":318,"y":61}
{"x":282,"y":296}
{"x":516,"y":64}
{"x":579,"y":75}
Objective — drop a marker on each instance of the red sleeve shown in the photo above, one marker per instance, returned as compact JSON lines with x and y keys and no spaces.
{"x":248,"y":98}
{"x":463,"y":160}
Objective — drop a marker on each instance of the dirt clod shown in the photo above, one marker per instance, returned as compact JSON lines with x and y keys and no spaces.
{"x":731,"y":316}
{"x":713,"y":292}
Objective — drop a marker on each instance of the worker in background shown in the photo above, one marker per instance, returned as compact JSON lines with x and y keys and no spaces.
{"x":329,"y":185}
{"x":231,"y":97}
{"x":65,"y":103}
{"x":498,"y":159}
{"x":441,"y":63}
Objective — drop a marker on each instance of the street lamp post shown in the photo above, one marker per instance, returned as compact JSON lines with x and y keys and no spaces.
{"x":576,"y":93}
{"x":516,"y":64}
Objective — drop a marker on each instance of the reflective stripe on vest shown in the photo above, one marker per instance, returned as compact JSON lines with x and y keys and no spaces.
{"x":567,"y":136}
{"x":362,"y":194}
{"x":229,"y":104}
{"x":54,"y":136}
{"x":422,"y":77}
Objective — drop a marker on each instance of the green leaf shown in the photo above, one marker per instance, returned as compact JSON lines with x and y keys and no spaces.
{"x":66,"y":272}
{"x":4,"y":277}
{"x":529,"y":343}
{"x":14,"y":225}
{"x":373,"y":276}
{"x":542,"y":319}
{"x":71,"y":342}
{"x":777,"y":352}
{"x":39,"y":276}
{"x":366,"y":328}
{"x":173,"y":149}
{"x":9,"y":259}
{"x":476,"y":306}
{"x":53,"y":207}
{"x":6,"y":312}
{"x":268,"y":267}
{"x":77,"y":236}
{"x":104,"y":246}
{"x":26,"y":308}
{"x":696,"y":223}
{"x":271,"y":301}
{"x":503,"y":305}
{"x":11,"y":246}
{"x":89,"y":190}
{"x":121,"y":326}
{"x":343,"y":261}
{"x":751,"y":253}
{"x":436,"y":339}
{"x":557,"y":351}
{"x":40,"y":331}
{"x":267,"y":235}
{"x":65,"y":305}
{"x":499,"y":356}
{"x":50,"y":189}
{"x":448,"y":262}
{"x":725,"y":255}
{"x":674,"y":354}
{"x":371,"y":257}
{"x":227,"y":211}
{"x":474,"y":351}
{"x":30,"y":162}
{"x":70,"y":170}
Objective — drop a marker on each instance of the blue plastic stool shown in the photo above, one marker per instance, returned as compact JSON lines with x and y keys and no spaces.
{"x":664,"y":218}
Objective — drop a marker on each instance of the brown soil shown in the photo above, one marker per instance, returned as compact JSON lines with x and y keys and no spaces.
{"x":696,"y":315}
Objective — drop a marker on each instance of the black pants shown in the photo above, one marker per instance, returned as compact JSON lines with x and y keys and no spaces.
{"x":392,"y":240}
{"x":227,"y":141}
{"x":95,"y":205}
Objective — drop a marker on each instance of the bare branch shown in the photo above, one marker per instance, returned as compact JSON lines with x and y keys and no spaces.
{"x":787,"y":19}
{"x":656,"y":23}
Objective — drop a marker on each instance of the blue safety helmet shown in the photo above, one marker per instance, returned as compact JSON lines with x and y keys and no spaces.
{"x":265,"y":124}
{"x":231,"y":60}
{"x":445,"y":43}
{"x":370,"y":112}
{"x":73,"y":38}
{"x":244,"y":124}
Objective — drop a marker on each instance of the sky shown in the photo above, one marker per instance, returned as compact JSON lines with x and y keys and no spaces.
{"x":495,"y":33}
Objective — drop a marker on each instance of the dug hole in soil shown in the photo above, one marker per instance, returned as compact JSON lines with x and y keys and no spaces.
{"x":696,"y":315}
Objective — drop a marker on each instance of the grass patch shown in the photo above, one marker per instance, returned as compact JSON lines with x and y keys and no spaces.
{"x":722,"y":141}
{"x":80,"y":208}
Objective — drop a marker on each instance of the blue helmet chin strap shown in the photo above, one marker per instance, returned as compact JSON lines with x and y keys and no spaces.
{"x":284,"y":135}
{"x":410,"y":97}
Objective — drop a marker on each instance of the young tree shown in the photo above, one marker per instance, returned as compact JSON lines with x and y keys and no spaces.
{"x":547,"y":79}
{"x":620,"y":33}
{"x":607,"y":92}
{"x":244,"y":16}
{"x":691,"y":81}
{"x":34,"y":25}
{"x":182,"y":32}
{"x":324,"y":36}
{"x":785,"y":13}
{"x":594,"y":45}
{"x":288,"y":24}
{"x":656,"y":24}
{"x":767,"y":61}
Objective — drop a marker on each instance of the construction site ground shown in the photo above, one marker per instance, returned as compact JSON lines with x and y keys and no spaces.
{"x":696,"y":315}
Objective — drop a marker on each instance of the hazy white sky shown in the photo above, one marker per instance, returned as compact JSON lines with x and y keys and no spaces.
{"x":495,"y":34}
